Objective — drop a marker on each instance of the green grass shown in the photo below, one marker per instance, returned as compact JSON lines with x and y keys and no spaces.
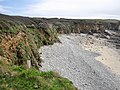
{"x":25,"y":56}
{"x":1,"y":51}
{"x":31,"y":79}
{"x":15,"y":76}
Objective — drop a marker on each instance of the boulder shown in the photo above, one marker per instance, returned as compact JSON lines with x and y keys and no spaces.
{"x":110,"y":32}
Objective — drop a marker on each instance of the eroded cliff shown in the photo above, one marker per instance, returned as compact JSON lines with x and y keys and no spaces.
{"x":21,"y":37}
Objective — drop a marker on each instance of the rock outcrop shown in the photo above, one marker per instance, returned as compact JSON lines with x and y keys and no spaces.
{"x":20,"y":37}
{"x":85,"y":26}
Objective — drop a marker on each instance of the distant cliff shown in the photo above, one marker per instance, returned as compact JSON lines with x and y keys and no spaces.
{"x":83,"y":25}
{"x":20,"y":37}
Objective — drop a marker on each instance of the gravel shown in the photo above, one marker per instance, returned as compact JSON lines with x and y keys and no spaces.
{"x":72,"y":61}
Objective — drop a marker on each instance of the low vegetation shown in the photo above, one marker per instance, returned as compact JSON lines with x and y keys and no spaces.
{"x":19,"y":78}
{"x":20,"y":39}
{"x":19,"y":43}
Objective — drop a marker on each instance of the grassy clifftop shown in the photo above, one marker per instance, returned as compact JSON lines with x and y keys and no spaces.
{"x":19,"y":78}
{"x":20,"y":39}
{"x":18,"y":43}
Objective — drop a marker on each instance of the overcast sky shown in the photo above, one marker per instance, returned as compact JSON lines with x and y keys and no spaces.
{"x":62,"y":8}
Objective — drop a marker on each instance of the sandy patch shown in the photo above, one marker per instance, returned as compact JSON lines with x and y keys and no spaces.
{"x":108,"y":56}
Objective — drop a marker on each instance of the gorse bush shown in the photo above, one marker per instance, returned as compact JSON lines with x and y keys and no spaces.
{"x":20,"y":39}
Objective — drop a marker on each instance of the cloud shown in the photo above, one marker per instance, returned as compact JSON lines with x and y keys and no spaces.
{"x":2,"y":9}
{"x":67,"y":9}
{"x":74,"y":8}
{"x":5,"y":9}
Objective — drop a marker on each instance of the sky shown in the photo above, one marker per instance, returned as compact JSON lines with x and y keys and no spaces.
{"x":79,"y":9}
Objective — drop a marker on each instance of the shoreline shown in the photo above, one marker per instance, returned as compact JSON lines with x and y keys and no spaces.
{"x":71,"y":60}
{"x":109,"y":55}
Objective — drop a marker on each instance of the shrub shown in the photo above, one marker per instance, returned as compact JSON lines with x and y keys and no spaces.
{"x":31,"y":79}
{"x":1,"y":51}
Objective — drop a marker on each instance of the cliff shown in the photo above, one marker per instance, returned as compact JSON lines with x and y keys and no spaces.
{"x":83,"y":25}
{"x":21,"y":37}
{"x":19,"y":43}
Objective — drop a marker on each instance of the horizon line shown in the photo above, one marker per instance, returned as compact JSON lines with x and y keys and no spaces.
{"x":59,"y":17}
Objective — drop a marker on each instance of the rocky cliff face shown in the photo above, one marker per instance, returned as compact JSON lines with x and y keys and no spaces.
{"x":78,"y":26}
{"x":20,"y":37}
